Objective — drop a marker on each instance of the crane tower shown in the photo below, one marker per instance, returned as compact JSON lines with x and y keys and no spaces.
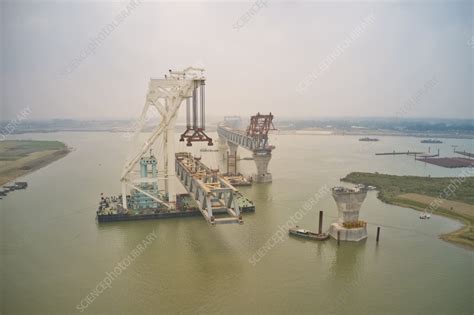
{"x":166,"y":95}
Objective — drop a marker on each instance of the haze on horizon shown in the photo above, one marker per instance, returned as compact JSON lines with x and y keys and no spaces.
{"x":253,"y":64}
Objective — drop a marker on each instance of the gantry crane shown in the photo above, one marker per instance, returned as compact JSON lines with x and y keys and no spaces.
{"x":167,"y":95}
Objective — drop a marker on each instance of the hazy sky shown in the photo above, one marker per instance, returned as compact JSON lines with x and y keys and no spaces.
{"x":256,"y":55}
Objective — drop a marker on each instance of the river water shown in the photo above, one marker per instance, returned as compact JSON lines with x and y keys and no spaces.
{"x":54,"y":253}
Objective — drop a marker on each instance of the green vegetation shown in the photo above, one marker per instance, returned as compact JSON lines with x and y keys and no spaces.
{"x":11,"y":150}
{"x":419,"y":192}
{"x":390,"y":186}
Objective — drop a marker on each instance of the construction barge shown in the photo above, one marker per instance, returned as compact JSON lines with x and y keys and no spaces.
{"x":9,"y":188}
{"x":299,"y":232}
{"x":152,"y":173}
{"x":368,"y":139}
{"x":431,"y":141}
{"x":142,"y":203}
{"x":112,"y":211}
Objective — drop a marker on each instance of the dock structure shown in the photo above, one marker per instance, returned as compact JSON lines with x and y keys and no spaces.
{"x":468,"y":154}
{"x":448,"y":162}
{"x":254,"y":139}
{"x":399,"y":153}
{"x":424,"y":156}
{"x":209,"y":189}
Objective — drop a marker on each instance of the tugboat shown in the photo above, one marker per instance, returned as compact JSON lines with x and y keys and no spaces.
{"x":296,"y":231}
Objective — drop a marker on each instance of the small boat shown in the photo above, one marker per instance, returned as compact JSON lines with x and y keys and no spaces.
{"x":431,"y":141}
{"x":296,"y":231}
{"x":368,"y":139}
{"x":425,"y":216}
{"x":21,"y":185}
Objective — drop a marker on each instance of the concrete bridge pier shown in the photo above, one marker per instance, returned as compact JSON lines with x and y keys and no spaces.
{"x":222,"y":147}
{"x":232,"y":158}
{"x":232,"y":148}
{"x":261,"y":161}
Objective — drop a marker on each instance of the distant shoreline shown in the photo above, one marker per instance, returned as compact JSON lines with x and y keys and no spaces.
{"x":368,"y":132}
{"x":11,"y":170}
{"x":295,"y":132}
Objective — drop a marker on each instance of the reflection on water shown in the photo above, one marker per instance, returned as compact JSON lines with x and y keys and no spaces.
{"x":54,"y":252}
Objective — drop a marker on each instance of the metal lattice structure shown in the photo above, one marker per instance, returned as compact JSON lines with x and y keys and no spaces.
{"x":151,"y":172}
{"x":166,"y":96}
{"x":211,"y":191}
{"x":259,"y":127}
{"x":255,"y":139}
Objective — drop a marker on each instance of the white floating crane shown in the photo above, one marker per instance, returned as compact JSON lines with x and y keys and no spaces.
{"x":167,"y":95}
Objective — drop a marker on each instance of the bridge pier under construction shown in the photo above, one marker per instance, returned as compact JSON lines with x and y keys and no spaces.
{"x":261,"y":161}
{"x":254,"y":139}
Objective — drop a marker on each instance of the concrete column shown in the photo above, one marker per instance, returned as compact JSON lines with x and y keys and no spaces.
{"x":348,"y":206}
{"x":232,"y":162}
{"x":261,"y":161}
{"x":232,"y":148}
{"x":222,"y":147}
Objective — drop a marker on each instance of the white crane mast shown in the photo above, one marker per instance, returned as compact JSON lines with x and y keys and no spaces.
{"x":166,"y":95}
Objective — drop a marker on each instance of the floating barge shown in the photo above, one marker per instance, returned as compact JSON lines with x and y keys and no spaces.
{"x":368,"y":139}
{"x":110,"y":209}
{"x":296,"y":231}
{"x":149,"y":182}
{"x":320,"y":236}
{"x":16,"y":186}
{"x":9,"y":188}
{"x":238,"y":180}
{"x":431,"y":141}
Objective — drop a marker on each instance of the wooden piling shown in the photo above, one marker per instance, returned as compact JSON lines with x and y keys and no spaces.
{"x":338,"y":237}
{"x":320,"y":231}
{"x":378,"y":234}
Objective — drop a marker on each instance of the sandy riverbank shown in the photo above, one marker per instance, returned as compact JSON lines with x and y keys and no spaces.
{"x":460,"y":211}
{"x":18,"y":158}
